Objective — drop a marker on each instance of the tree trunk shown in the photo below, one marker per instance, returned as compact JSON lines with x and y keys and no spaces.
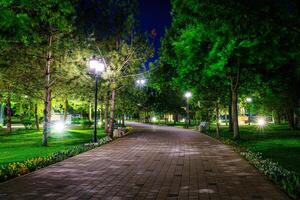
{"x":217,"y":119}
{"x":65,"y":110}
{"x":292,"y":118}
{"x":235,"y":123}
{"x":37,"y":122}
{"x":47,"y":101}
{"x":90,"y":112}
{"x":112,"y":112}
{"x":123,"y":120}
{"x":101,"y":118}
{"x":106,"y":113}
{"x":230,"y":112}
{"x":8,"y":114}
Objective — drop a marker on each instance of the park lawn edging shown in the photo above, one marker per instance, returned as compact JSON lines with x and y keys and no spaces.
{"x":288,"y":180}
{"x":17,"y":169}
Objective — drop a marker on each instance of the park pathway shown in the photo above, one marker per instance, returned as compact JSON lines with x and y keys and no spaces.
{"x":154,"y":162}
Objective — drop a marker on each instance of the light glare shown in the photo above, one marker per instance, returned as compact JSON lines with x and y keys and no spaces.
{"x":188,"y":95}
{"x":59,"y":127}
{"x":261,"y":122}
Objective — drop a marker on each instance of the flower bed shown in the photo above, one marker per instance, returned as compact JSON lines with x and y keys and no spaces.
{"x":16,"y":169}
{"x":289,"y":181}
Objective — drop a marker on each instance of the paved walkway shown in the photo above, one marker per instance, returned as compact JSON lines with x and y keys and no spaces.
{"x":152,"y":163}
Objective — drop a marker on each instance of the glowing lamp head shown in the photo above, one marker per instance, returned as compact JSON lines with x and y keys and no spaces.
{"x":261,"y":122}
{"x":188,"y":95}
{"x":59,"y":127}
{"x":154,"y":119}
{"x":249,"y":100}
{"x":96,"y":65}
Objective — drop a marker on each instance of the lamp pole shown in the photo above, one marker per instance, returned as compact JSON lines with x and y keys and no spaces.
{"x":95,"y":111}
{"x":187,"y":96}
{"x":97,"y":66}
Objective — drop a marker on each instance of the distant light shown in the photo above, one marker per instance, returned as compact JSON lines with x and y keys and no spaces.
{"x":141,"y":82}
{"x":183,"y":120}
{"x":154,"y":119}
{"x":249,"y":99}
{"x":188,"y":95}
{"x":59,"y":127}
{"x":261,"y":122}
{"x":26,"y":96}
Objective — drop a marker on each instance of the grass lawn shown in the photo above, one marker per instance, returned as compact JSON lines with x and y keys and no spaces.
{"x":24,"y":144}
{"x":277,"y":142}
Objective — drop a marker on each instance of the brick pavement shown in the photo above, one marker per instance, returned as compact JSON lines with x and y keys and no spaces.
{"x":154,"y":162}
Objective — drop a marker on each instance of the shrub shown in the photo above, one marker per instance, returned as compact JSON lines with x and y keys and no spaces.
{"x":86,"y":123}
{"x":27,"y":123}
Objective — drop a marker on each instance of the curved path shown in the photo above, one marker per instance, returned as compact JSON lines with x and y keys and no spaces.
{"x":154,"y":162}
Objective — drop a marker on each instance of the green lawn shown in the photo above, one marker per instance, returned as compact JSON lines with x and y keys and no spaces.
{"x":23,"y":144}
{"x":276,"y":142}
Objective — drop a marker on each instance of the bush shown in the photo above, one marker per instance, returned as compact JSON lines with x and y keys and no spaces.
{"x":27,"y":123}
{"x":20,"y":168}
{"x":86,"y":123}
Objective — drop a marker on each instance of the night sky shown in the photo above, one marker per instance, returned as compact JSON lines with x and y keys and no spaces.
{"x":154,"y":14}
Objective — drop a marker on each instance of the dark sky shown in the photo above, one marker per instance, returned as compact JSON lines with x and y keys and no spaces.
{"x":154,"y":14}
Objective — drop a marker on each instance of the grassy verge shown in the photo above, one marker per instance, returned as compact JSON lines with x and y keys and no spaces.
{"x":275,"y":142}
{"x":23,"y":144}
{"x":274,"y":151}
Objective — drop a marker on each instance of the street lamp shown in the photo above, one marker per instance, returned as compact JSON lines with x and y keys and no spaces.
{"x":249,"y":100}
{"x":187,"y":95}
{"x":97,"y":66}
{"x":141,"y":82}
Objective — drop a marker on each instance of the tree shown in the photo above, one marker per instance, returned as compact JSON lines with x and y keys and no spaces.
{"x":224,"y":40}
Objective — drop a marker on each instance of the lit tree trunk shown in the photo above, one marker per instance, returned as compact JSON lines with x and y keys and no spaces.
{"x":37,"y":122}
{"x":123,"y":120}
{"x":217,"y":118}
{"x":8,"y":114}
{"x":101,"y":118}
{"x":230,"y":112}
{"x":90,"y":112}
{"x":235,"y":123}
{"x":106,"y":113}
{"x":65,"y":110}
{"x":47,"y":101}
{"x":112,"y":112}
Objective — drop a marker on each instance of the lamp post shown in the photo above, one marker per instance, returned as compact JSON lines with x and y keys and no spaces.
{"x":97,"y":65}
{"x":249,"y":100}
{"x":140,"y":83}
{"x":187,"y":95}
